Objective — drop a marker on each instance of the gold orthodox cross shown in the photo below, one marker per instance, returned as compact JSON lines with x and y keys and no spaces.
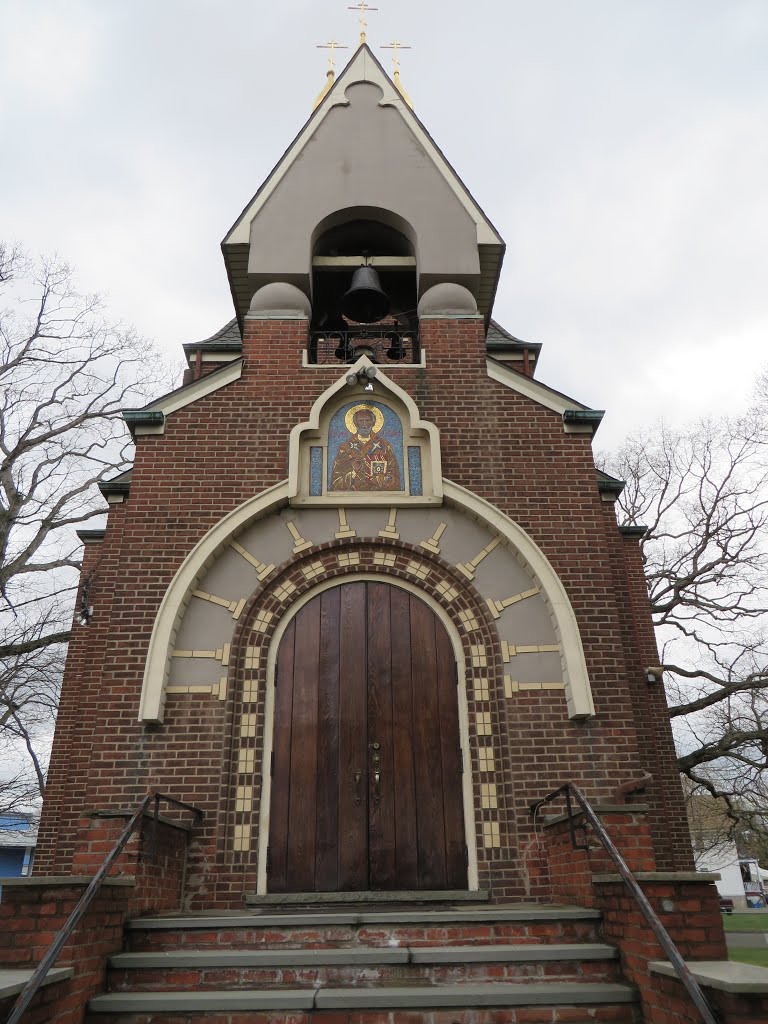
{"x":332,"y":46}
{"x":396,"y":48}
{"x":363,"y":7}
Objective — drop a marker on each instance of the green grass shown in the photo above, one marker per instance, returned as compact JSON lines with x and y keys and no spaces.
{"x":758,"y":957}
{"x":756,"y":921}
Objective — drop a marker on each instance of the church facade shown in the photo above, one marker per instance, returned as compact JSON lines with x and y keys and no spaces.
{"x":362,"y":597}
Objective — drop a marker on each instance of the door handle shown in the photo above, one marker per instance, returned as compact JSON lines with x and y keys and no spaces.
{"x":358,"y":778}
{"x":376,"y":759}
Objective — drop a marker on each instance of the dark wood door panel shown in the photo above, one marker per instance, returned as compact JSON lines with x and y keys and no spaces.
{"x":353,"y":741}
{"x":327,"y":834}
{"x":366,"y":792}
{"x":429,"y":773}
{"x":281,"y":763}
{"x":381,"y":797}
{"x":404,"y":778}
{"x":302,"y":810}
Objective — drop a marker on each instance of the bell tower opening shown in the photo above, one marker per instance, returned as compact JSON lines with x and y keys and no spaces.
{"x":364,"y":289}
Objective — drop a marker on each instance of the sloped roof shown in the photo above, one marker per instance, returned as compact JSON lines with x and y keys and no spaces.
{"x":498,"y":337}
{"x":229,"y":336}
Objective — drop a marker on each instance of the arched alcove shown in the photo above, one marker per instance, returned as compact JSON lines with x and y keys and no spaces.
{"x":529,"y":578}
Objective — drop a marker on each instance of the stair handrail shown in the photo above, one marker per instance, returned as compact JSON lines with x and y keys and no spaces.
{"x":570,"y":789}
{"x":29,"y":991}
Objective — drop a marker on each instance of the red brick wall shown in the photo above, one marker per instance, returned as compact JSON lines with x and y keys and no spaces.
{"x":32,"y":914}
{"x":667,"y":1002}
{"x":571,"y":870}
{"x":29,"y":921}
{"x":233,"y":444}
{"x":670,"y":826}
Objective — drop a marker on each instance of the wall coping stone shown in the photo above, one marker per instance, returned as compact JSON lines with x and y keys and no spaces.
{"x":46,"y":881}
{"x":599,"y":809}
{"x":725,"y":975}
{"x":662,"y":876}
{"x":13,"y":980}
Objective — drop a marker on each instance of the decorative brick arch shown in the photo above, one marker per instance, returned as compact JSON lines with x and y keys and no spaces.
{"x":271,"y":607}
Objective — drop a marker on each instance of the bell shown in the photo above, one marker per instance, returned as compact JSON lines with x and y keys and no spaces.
{"x":365,"y":302}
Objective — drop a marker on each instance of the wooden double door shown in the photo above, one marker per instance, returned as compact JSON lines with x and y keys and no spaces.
{"x":366,"y":789}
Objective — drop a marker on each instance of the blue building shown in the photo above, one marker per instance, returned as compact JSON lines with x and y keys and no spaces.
{"x":18,"y":835}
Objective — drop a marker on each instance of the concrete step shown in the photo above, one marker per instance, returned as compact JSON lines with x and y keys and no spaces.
{"x":323,"y":968}
{"x":515,"y":923}
{"x":403,"y":896}
{"x":275,"y":919}
{"x":405,"y":998}
{"x":360,"y":956}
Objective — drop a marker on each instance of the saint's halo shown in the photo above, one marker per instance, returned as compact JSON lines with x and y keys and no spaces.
{"x":377,"y":414}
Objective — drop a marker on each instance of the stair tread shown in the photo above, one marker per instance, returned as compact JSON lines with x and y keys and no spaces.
{"x":377,"y":896}
{"x":416,"y":997}
{"x":365,"y":955}
{"x":512,"y":913}
{"x":263,"y":957}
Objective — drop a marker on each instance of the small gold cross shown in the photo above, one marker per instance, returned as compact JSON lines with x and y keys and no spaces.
{"x":332,"y":46}
{"x":363,"y":8}
{"x":396,"y":48}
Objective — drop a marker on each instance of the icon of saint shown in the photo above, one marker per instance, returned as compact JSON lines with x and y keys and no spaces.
{"x":367,"y":461}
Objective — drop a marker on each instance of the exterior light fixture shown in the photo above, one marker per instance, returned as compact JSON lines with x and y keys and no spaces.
{"x":85,"y":615}
{"x":654,"y":674}
{"x":364,"y":377}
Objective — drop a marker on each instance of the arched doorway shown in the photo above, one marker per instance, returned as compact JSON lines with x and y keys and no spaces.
{"x":366,"y":788}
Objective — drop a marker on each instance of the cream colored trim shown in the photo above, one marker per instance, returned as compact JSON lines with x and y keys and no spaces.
{"x":306,"y":365}
{"x":312,"y":425}
{"x":162,"y":641}
{"x":193,"y":393}
{"x":159,"y":428}
{"x":451,"y":316}
{"x":180,"y":591}
{"x":362,"y":69}
{"x":577,"y":688}
{"x":215,"y":357}
{"x":347,"y":262}
{"x":531,"y":388}
{"x":269,"y":718}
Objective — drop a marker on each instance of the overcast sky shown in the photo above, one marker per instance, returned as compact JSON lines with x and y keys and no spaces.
{"x":619,"y":146}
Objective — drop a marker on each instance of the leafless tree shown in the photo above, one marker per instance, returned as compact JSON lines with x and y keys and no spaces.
{"x":66,"y":372}
{"x":702,"y":492}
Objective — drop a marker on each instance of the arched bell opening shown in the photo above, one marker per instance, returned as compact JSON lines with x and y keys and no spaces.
{"x":364,"y":289}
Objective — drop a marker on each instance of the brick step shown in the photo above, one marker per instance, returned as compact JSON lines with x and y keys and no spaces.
{"x":555,"y":1001}
{"x":361,"y":966}
{"x":512,"y":924}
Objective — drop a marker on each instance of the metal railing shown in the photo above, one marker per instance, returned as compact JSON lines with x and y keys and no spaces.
{"x":692,"y":986}
{"x":386,"y":344}
{"x":29,"y":991}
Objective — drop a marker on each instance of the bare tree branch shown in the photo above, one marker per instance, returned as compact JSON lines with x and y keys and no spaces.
{"x":66,"y":372}
{"x":702,"y":491}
